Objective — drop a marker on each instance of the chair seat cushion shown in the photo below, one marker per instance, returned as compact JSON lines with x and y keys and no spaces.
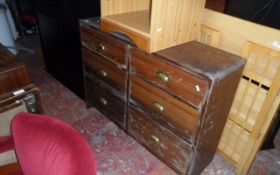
{"x":48,"y":146}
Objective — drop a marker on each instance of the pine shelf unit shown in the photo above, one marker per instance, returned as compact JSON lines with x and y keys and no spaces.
{"x":153,"y":24}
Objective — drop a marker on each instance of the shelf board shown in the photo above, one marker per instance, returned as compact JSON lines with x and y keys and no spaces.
{"x":138,"y":21}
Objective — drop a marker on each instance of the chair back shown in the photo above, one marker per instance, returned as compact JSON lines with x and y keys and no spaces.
{"x":48,"y":146}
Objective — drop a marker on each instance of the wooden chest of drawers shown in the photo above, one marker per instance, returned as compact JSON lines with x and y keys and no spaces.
{"x":174,"y":102}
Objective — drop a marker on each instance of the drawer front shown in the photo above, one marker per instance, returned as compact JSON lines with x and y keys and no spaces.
{"x":181,"y":83}
{"x":105,"y":70}
{"x":104,"y":44}
{"x":168,"y":147}
{"x":173,"y":112}
{"x":98,"y":96}
{"x":13,"y":78}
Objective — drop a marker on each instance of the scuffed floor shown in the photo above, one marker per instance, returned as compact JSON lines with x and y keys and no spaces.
{"x":117,"y":153}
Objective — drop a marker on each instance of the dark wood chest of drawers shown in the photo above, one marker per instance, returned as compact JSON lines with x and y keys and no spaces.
{"x":174,"y":102}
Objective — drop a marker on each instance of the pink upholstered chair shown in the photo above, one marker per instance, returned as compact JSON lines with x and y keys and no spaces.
{"x":47,"y":146}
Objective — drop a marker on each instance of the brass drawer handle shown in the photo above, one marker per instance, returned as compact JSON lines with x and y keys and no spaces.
{"x":103,"y":101}
{"x":159,"y":107}
{"x":154,"y":138}
{"x":103,"y":73}
{"x":100,"y":46}
{"x":163,"y":76}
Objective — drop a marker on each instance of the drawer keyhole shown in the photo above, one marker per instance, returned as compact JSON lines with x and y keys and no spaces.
{"x":154,"y":138}
{"x":163,"y":76}
{"x":159,"y":107}
{"x":103,"y":101}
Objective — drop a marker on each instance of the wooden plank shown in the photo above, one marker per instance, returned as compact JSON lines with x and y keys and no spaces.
{"x":239,"y":96}
{"x":255,"y":109}
{"x":175,"y":22}
{"x":262,"y":69}
{"x":263,"y":132}
{"x":112,"y":7}
{"x":261,"y":61}
{"x":236,"y":32}
{"x":138,"y":21}
{"x":241,"y":146}
{"x":270,"y":98}
{"x":254,"y":102}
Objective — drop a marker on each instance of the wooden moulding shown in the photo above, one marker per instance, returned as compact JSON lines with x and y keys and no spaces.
{"x":153,"y":24}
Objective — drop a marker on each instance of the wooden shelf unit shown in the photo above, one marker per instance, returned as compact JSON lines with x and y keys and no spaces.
{"x":153,"y":24}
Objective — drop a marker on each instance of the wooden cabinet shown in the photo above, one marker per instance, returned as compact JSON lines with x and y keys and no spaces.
{"x":153,"y":24}
{"x":174,"y":101}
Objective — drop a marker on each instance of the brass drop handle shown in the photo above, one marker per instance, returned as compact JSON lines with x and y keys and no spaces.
{"x":163,"y":76}
{"x":103,"y":73}
{"x":103,"y":101}
{"x":154,"y":138}
{"x":100,"y":46}
{"x":159,"y":107}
